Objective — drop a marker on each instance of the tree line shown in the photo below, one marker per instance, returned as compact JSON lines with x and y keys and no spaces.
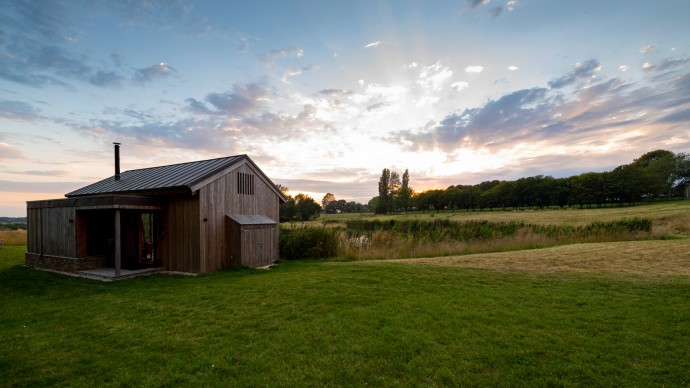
{"x":657,"y":174}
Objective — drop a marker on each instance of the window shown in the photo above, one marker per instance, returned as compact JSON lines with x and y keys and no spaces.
{"x":245,"y":183}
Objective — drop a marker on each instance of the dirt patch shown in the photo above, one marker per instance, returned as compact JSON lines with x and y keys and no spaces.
{"x":630,"y":257}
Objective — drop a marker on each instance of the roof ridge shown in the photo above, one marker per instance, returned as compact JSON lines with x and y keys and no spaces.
{"x":180,"y":164}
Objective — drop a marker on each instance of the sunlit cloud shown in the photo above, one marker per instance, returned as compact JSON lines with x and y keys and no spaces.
{"x":647,"y":66}
{"x":513,"y":68}
{"x":623,"y":68}
{"x":373,"y":44}
{"x":648,"y":48}
{"x":460,"y":86}
{"x":153,"y":72}
{"x":434,"y":76}
{"x":474,"y":69}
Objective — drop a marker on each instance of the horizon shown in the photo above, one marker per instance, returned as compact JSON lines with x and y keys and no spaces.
{"x":323,"y":96}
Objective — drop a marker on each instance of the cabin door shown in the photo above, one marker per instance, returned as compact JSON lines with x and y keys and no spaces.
{"x":148,"y":239}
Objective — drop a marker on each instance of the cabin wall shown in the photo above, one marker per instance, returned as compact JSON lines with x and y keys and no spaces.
{"x":180,"y":235}
{"x":51,"y":242}
{"x":221,"y":197}
{"x":51,"y":231}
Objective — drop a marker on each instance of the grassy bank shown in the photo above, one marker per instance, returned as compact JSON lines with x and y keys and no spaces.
{"x":315,"y":323}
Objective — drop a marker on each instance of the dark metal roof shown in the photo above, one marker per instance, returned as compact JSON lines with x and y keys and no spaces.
{"x":164,"y":178}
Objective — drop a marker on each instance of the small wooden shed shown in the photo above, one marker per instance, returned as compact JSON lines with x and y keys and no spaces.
{"x":253,"y":240}
{"x":169,"y":217}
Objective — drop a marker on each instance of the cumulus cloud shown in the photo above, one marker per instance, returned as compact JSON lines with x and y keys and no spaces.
{"x":513,"y":68}
{"x":474,"y":69}
{"x":242,"y":100}
{"x":460,"y":86}
{"x":434,"y":76}
{"x":154,"y":72}
{"x":648,"y":66}
{"x":581,"y":71}
{"x":586,"y":118}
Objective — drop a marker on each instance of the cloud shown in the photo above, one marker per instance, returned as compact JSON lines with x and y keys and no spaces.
{"x":533,"y":123}
{"x":335,"y":92}
{"x":434,"y":76}
{"x":648,"y":66}
{"x":373,"y":44}
{"x":8,"y":152}
{"x":476,"y":3}
{"x":39,"y":187}
{"x":460,"y":86}
{"x":18,"y":111}
{"x":672,"y":63}
{"x":581,"y":71}
{"x":296,"y":52}
{"x":242,"y":100}
{"x":682,"y":116}
{"x":106,"y":79}
{"x":495,"y":11}
{"x":153,"y":72}
{"x":295,"y":71}
{"x":513,"y":68}
{"x":624,"y":68}
{"x":49,"y":173}
{"x":648,"y":48}
{"x":474,"y":69}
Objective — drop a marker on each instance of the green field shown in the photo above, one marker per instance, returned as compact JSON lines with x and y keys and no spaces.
{"x":360,"y":323}
{"x":659,"y":212}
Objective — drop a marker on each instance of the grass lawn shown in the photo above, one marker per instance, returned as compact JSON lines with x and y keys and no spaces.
{"x":324,"y":323}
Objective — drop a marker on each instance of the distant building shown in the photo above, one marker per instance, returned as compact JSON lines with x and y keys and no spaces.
{"x":190,"y":217}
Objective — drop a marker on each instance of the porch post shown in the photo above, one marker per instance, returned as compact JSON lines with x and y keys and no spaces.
{"x":118,"y":245}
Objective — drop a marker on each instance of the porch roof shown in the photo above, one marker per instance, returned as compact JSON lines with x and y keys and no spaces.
{"x":100,"y":202}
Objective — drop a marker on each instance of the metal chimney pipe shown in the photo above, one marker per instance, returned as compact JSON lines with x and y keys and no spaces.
{"x":117,"y":161}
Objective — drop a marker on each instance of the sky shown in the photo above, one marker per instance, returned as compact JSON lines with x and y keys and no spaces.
{"x":323,"y":95}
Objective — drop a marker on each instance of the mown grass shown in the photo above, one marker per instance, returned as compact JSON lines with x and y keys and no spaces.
{"x":334,"y":324}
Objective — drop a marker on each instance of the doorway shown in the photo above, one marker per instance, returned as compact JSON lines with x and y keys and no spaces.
{"x":148,"y":239}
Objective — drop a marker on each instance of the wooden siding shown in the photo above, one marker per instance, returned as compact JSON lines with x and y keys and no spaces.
{"x":220,"y":197}
{"x":180,"y":246}
{"x":51,"y":231}
{"x":259,"y":245}
{"x":251,"y":245}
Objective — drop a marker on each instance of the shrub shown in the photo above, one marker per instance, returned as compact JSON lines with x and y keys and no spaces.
{"x":308,"y":243}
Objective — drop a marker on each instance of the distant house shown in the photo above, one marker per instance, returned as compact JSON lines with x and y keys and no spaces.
{"x":190,"y":217}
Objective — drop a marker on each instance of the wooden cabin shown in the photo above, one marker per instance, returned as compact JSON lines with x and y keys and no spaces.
{"x":191,"y":217}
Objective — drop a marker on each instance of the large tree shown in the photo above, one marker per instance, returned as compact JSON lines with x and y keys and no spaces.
{"x":384,"y":199}
{"x":405,"y":192}
{"x":328,"y":198}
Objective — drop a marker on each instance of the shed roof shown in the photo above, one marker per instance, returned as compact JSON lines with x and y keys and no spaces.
{"x":251,"y":219}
